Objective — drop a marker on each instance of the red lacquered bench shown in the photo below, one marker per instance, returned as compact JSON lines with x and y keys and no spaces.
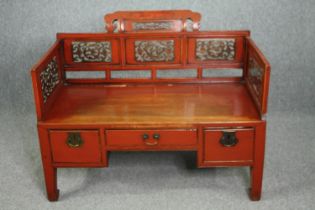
{"x":154,"y":87}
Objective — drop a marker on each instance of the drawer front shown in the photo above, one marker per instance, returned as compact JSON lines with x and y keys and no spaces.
{"x":151,"y":138}
{"x":75,"y":146}
{"x":228,"y":145}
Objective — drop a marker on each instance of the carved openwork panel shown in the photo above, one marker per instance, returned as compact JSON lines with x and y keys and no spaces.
{"x":83,"y":51}
{"x":49,"y":78}
{"x":215,"y":49}
{"x":154,"y":50}
{"x":160,"y":25}
{"x":255,"y":76}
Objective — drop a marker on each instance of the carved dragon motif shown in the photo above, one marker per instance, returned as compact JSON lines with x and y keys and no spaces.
{"x":91,"y":51}
{"x":154,"y":50}
{"x":49,"y":78}
{"x":255,"y":76}
{"x":215,"y":49}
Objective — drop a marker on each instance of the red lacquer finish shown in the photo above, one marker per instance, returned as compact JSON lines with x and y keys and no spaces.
{"x":220,"y":118}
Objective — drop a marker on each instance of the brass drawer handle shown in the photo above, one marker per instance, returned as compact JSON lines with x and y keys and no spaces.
{"x":151,"y":143}
{"x":74,"y":140}
{"x":228,"y":139}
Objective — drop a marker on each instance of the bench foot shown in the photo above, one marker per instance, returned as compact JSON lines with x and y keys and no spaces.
{"x":256,"y":184}
{"x":51,"y":183}
{"x":254,"y":195}
{"x":54,"y":196}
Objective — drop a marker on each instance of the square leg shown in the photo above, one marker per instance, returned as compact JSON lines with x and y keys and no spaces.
{"x":50,"y":172}
{"x":257,"y":169}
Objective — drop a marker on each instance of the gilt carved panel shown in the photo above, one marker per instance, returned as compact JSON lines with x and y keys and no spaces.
{"x":154,"y":50}
{"x":215,"y":49}
{"x":49,"y":78}
{"x":161,"y":25}
{"x":255,"y":76}
{"x":83,"y":51}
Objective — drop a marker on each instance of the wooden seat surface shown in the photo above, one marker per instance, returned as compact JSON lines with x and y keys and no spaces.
{"x":152,"y":104}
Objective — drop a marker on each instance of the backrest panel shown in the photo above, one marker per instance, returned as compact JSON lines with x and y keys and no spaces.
{"x":137,"y":51}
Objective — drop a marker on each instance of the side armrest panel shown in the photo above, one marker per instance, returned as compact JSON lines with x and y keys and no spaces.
{"x":47,"y":79}
{"x":257,"y":76}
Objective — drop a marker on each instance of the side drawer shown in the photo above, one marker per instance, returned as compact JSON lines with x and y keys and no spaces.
{"x":151,"y":138}
{"x":228,"y":145}
{"x":75,"y":146}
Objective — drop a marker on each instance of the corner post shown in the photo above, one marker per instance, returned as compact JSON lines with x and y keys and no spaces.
{"x":50,"y":172}
{"x":258,"y":166}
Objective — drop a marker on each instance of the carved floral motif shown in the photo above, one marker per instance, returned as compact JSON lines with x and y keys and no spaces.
{"x":49,"y":78}
{"x":255,"y":76}
{"x":215,"y":49}
{"x":155,"y":50}
{"x":91,"y":51}
{"x":161,"y":25}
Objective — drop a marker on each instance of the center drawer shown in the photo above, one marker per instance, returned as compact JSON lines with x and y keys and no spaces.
{"x":151,"y":138}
